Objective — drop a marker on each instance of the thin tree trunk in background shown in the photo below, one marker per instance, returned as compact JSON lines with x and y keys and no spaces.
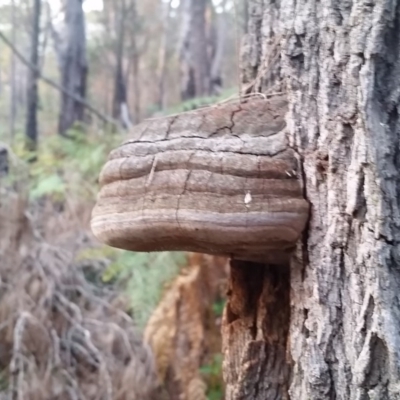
{"x":245,"y":6}
{"x":136,"y":80}
{"x":163,"y":55}
{"x":198,"y":48}
{"x":55,"y":85}
{"x":340,"y":65}
{"x":31,"y":129}
{"x":135,"y":56}
{"x":13,"y":91}
{"x":120,"y":105}
{"x":194,"y":57}
{"x":188,"y":90}
{"x":74,"y":68}
{"x":218,"y":37}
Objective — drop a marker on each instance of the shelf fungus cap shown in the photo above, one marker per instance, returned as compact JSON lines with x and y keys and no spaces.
{"x":219,"y":180}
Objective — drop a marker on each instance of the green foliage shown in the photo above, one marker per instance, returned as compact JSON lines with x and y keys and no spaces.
{"x":3,"y":381}
{"x":93,"y":253}
{"x":143,"y":275}
{"x":148,"y":280}
{"x":212,"y":373}
{"x":49,"y":185}
{"x":147,"y":274}
{"x":67,"y":165}
{"x":212,"y":370}
{"x":218,"y":308}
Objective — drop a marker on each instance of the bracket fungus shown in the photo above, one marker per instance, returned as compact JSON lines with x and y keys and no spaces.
{"x":219,"y":180}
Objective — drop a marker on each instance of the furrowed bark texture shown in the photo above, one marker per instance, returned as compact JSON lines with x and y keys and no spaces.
{"x":343,"y":60}
{"x":260,"y":50}
{"x":340,"y":63}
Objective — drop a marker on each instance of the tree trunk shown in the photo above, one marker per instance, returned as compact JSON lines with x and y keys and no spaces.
{"x":188,"y":90}
{"x":164,"y":54}
{"x":255,"y":334}
{"x":339,"y":64}
{"x":135,"y":56}
{"x":120,"y":103}
{"x":195,"y":63}
{"x":31,"y":130}
{"x":198,"y":48}
{"x":74,"y":66}
{"x":13,"y":67}
{"x":217,"y":39}
{"x":245,"y":5}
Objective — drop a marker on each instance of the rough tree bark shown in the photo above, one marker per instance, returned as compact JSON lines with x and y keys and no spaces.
{"x":74,"y":66}
{"x":31,"y":130}
{"x":339,"y":63}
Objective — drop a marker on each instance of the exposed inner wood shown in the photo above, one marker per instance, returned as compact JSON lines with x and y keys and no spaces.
{"x":220,"y":180}
{"x":255,"y":332}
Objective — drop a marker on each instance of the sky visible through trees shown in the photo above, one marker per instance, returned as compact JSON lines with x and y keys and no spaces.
{"x":137,"y":58}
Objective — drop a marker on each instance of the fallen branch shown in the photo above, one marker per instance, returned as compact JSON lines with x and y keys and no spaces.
{"x":55,"y":85}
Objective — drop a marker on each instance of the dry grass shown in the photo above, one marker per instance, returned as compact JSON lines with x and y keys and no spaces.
{"x":62,"y":336}
{"x":66,"y":335}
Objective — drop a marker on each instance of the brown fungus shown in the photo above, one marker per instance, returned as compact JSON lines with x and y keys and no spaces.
{"x":219,"y":180}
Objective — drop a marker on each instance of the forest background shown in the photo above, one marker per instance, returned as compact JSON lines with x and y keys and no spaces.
{"x":75,"y":76}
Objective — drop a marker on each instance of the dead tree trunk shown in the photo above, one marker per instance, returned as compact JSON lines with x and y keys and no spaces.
{"x":339,"y":62}
{"x":31,"y":130}
{"x":74,"y":66}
